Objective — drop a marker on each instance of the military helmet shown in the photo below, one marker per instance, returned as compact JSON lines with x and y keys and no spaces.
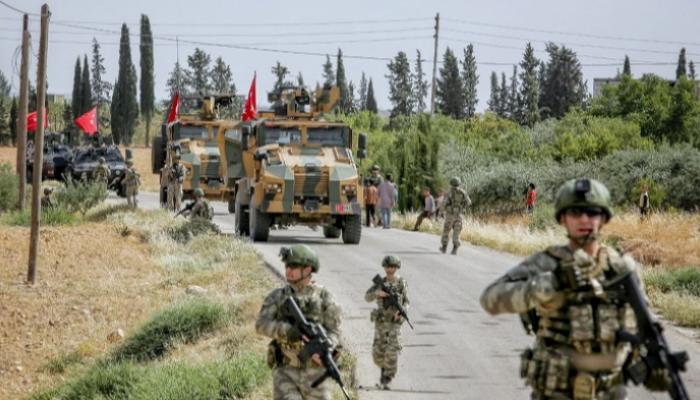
{"x":101,"y":160}
{"x":198,"y":192}
{"x":454,"y":181}
{"x":583,"y":193}
{"x":130,"y":162}
{"x":375,"y":167}
{"x":391,"y":260}
{"x":48,"y":190}
{"x":300,"y":254}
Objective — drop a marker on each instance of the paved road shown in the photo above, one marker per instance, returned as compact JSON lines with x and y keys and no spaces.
{"x":457,"y":351}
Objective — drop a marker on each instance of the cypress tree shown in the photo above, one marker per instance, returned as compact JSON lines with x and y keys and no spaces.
{"x":147,"y":83}
{"x":76,"y":102}
{"x":400,"y":85}
{"x":100,"y":88}
{"x":198,"y":73}
{"x":116,"y":119}
{"x":691,"y":71}
{"x":363,"y":93}
{"x":341,"y":81}
{"x":300,"y":80}
{"x":503,"y":97}
{"x":626,"y":68}
{"x":13,"y":121}
{"x":680,"y":70}
{"x":450,"y":88}
{"x":125,"y":108}
{"x":68,"y":124}
{"x":371,"y":101}
{"x":351,"y":93}
{"x":328,"y":74}
{"x":470,"y":80}
{"x":513,"y":101}
{"x":563,"y":83}
{"x":493,"y":102}
{"x":221,"y":77}
{"x":85,"y":89}
{"x":529,"y":88}
{"x":420,"y":85}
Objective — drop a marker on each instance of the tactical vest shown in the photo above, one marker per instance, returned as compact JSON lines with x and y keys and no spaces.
{"x":456,"y":202}
{"x":386,"y":314}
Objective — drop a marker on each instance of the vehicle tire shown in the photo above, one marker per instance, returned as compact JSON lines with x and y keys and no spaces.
{"x":259,"y":225}
{"x":232,"y":204}
{"x":163,"y":197}
{"x":121,"y":189}
{"x":157,"y":154}
{"x":352,"y":231}
{"x":331,"y":231}
{"x":241,"y":219}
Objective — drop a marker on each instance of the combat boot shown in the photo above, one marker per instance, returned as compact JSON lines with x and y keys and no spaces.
{"x":443,"y":249}
{"x":387,"y":381}
{"x":454,"y":251}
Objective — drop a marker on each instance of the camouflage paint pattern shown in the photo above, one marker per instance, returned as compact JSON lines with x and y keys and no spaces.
{"x":292,"y":378}
{"x":576,"y":334}
{"x":386,"y":345}
{"x":201,"y":209}
{"x":102,"y":173}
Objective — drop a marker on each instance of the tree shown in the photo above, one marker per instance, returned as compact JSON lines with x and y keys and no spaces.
{"x":328,"y":74}
{"x":400,"y":85}
{"x":280,"y":72}
{"x":222,"y":78}
{"x":100,"y":88}
{"x":345,"y":101}
{"x":177,"y":81}
{"x":529,"y":88}
{"x":503,"y":92}
{"x":363,"y":93}
{"x":420,"y":85}
{"x":198,"y":72}
{"x":147,"y":83}
{"x":691,"y":71}
{"x":69,"y":128}
{"x":351,"y":93}
{"x":300,"y":79}
{"x":563,"y":83}
{"x":124,"y":108}
{"x":470,"y":80}
{"x":85,"y":88}
{"x":626,"y":68}
{"x":450,"y":88}
{"x":4,"y":115}
{"x":371,"y":105}
{"x":13,"y":121}
{"x":513,"y":100}
{"x":76,"y":102}
{"x":680,"y":70}
{"x":494,"y":103}
{"x":5,"y":87}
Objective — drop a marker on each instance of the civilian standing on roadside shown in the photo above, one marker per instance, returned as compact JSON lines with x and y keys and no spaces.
{"x":387,"y":200}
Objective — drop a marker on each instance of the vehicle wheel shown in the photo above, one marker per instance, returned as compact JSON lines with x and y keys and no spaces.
{"x":331,"y":231}
{"x":259,"y":225}
{"x":121,"y":190}
{"x":164,"y":197}
{"x":157,"y":154}
{"x":241,"y":219}
{"x":232,"y":204}
{"x":352,"y":231}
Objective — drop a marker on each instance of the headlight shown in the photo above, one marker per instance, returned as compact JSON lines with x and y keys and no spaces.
{"x":271,"y":188}
{"x":117,"y":172}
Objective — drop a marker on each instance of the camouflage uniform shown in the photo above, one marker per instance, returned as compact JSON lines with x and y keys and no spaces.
{"x":201,"y":209}
{"x":291,"y":378}
{"x":387,"y":330}
{"x":455,"y":205}
{"x":176,"y":175}
{"x":559,"y":295}
{"x":132,"y":180}
{"x":46,"y":201}
{"x":102,"y":172}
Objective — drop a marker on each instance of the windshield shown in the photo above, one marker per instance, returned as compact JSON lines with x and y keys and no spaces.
{"x":282,"y":135}
{"x":192,"y":132}
{"x":331,"y":136}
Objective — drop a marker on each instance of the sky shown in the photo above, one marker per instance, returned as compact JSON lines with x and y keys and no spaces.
{"x":252,"y":36}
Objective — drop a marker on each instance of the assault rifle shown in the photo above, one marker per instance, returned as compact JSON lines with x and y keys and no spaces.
{"x":392,"y":299}
{"x":650,"y":335}
{"x":318,"y":343}
{"x":187,"y":208}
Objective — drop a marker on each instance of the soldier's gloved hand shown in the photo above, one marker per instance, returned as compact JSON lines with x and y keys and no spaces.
{"x":577,"y":271}
{"x":543,"y":291}
{"x":658,"y":380}
{"x":293,"y":334}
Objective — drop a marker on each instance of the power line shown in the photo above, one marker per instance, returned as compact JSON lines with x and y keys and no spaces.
{"x":13,"y":8}
{"x":581,"y":34}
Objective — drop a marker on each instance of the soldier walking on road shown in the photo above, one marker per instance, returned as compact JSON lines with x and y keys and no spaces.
{"x":176,"y":176}
{"x":559,"y":293}
{"x":456,"y":203}
{"x":292,"y":378}
{"x":132,"y":181}
{"x":102,"y":172}
{"x":387,"y":321}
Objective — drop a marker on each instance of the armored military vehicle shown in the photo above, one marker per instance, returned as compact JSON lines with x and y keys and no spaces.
{"x":297,"y":168}
{"x":197,"y":137}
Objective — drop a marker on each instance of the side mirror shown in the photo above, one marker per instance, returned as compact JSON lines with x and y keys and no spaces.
{"x":362,"y":146}
{"x":245,"y":134}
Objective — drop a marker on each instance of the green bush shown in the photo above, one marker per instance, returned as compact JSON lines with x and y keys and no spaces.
{"x":185,"y":321}
{"x":49,"y":216}
{"x":79,"y":196}
{"x":59,"y":364}
{"x":193,"y":227}
{"x":683,"y":280}
{"x":8,"y":187}
{"x":103,"y":381}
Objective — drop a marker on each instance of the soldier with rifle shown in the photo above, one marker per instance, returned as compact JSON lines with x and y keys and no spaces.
{"x":584,"y":303}
{"x":391,"y":295}
{"x":176,"y":176}
{"x":199,"y":208}
{"x":303,"y":320}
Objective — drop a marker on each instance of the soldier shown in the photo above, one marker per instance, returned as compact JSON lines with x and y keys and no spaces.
{"x":46,"y":201}
{"x":176,"y":176}
{"x":455,"y":206}
{"x":201,"y":208}
{"x":292,"y":378}
{"x":577,"y":353}
{"x":387,"y":321}
{"x":102,"y":172}
{"x":132,"y":180}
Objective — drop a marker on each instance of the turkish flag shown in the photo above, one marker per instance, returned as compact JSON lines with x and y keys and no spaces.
{"x":88,"y":122}
{"x":31,"y":121}
{"x":174,"y":106}
{"x":251,"y":110}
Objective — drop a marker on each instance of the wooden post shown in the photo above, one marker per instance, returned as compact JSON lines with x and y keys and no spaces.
{"x":433,"y":87}
{"x":38,"y":144}
{"x":22,"y":114}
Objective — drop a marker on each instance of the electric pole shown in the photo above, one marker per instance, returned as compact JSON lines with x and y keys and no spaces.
{"x":38,"y":144}
{"x":22,"y":114}
{"x":435,"y":57}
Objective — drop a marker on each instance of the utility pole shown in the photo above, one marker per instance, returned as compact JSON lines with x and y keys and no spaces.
{"x":38,"y":144}
{"x":22,"y":114}
{"x":435,"y":56}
